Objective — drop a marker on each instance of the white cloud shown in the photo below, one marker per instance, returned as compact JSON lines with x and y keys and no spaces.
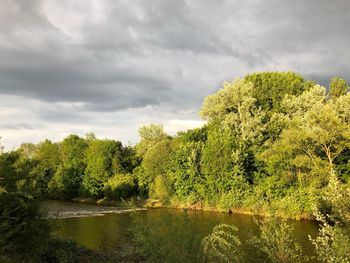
{"x":174,"y":126}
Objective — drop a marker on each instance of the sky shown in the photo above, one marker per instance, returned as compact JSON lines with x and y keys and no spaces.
{"x":111,"y":66}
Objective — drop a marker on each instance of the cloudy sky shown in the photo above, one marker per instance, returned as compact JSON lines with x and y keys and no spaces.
{"x":109,"y":66}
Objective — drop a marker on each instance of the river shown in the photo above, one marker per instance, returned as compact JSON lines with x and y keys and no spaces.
{"x":102,"y":227}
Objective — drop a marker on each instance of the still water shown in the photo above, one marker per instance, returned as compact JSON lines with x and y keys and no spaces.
{"x":100,"y":227}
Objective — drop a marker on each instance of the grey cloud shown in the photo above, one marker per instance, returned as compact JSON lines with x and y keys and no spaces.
{"x":18,"y":126}
{"x":22,"y":15}
{"x":302,"y":26}
{"x":164,"y":25}
{"x":168,"y":54}
{"x":83,"y":80}
{"x":325,"y":78}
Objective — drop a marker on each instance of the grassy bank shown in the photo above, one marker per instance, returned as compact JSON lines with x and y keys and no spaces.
{"x":264,"y":212}
{"x":154,"y":203}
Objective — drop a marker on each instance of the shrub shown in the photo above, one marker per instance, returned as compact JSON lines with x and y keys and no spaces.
{"x":23,"y":235}
{"x":236,"y":196}
{"x":333,"y":241}
{"x":222,"y":245}
{"x":276,"y":242}
{"x":119,"y":186}
{"x":161,"y":189}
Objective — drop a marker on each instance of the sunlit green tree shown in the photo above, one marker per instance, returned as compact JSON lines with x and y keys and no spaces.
{"x":155,"y":164}
{"x":66,"y":182}
{"x":103,"y":160}
{"x":338,"y":87}
{"x":150,"y":135}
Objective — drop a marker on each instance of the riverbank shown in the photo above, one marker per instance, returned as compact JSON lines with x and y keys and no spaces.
{"x":242,"y":211}
{"x":153,"y":203}
{"x":130,"y":202}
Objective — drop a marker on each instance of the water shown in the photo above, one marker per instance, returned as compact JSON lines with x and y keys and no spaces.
{"x":98,"y":227}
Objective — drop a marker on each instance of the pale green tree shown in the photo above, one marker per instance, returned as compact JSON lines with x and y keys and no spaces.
{"x":154,"y":165}
{"x":235,"y":130}
{"x":276,"y":243}
{"x":235,"y":107}
{"x":333,"y":241}
{"x":316,"y":131}
{"x":338,"y":87}
{"x":222,"y":245}
{"x":160,"y":189}
{"x":150,"y":135}
{"x":28,"y":150}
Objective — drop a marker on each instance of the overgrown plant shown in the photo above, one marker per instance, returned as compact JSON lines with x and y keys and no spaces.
{"x":222,"y":245}
{"x":333,"y":241}
{"x":276,"y":242}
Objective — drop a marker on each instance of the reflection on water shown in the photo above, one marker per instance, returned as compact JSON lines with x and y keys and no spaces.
{"x":113,"y":229}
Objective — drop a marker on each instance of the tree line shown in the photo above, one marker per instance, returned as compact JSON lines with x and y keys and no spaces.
{"x":271,"y":142}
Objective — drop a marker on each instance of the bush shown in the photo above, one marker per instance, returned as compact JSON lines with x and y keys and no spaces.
{"x":60,"y":251}
{"x":161,"y":189}
{"x":222,"y":245}
{"x":333,"y":241}
{"x":120,"y":186}
{"x":23,"y":234}
{"x":172,"y":237}
{"x":276,"y":242}
{"x":237,"y":195}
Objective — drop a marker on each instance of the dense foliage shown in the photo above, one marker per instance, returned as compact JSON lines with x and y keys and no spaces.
{"x":276,"y":243}
{"x":19,"y":210}
{"x":271,"y":141}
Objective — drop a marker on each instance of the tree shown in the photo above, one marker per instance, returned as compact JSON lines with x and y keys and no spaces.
{"x":235,"y":107}
{"x":66,"y":182}
{"x":119,"y":186}
{"x":160,"y":189}
{"x":23,"y":234}
{"x":28,"y":150}
{"x":337,"y":87}
{"x":235,"y":130}
{"x":333,"y":241}
{"x":316,"y":132}
{"x":150,"y":135}
{"x":217,"y":164}
{"x":271,"y":87}
{"x":194,"y":135}
{"x":1,"y":148}
{"x":48,"y":157}
{"x":155,"y":164}
{"x":104,"y":159}
{"x":129,"y":159}
{"x":185,"y":171}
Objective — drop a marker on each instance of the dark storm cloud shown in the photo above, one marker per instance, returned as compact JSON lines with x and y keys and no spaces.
{"x":47,"y":77}
{"x":302,"y":26}
{"x":160,"y":25}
